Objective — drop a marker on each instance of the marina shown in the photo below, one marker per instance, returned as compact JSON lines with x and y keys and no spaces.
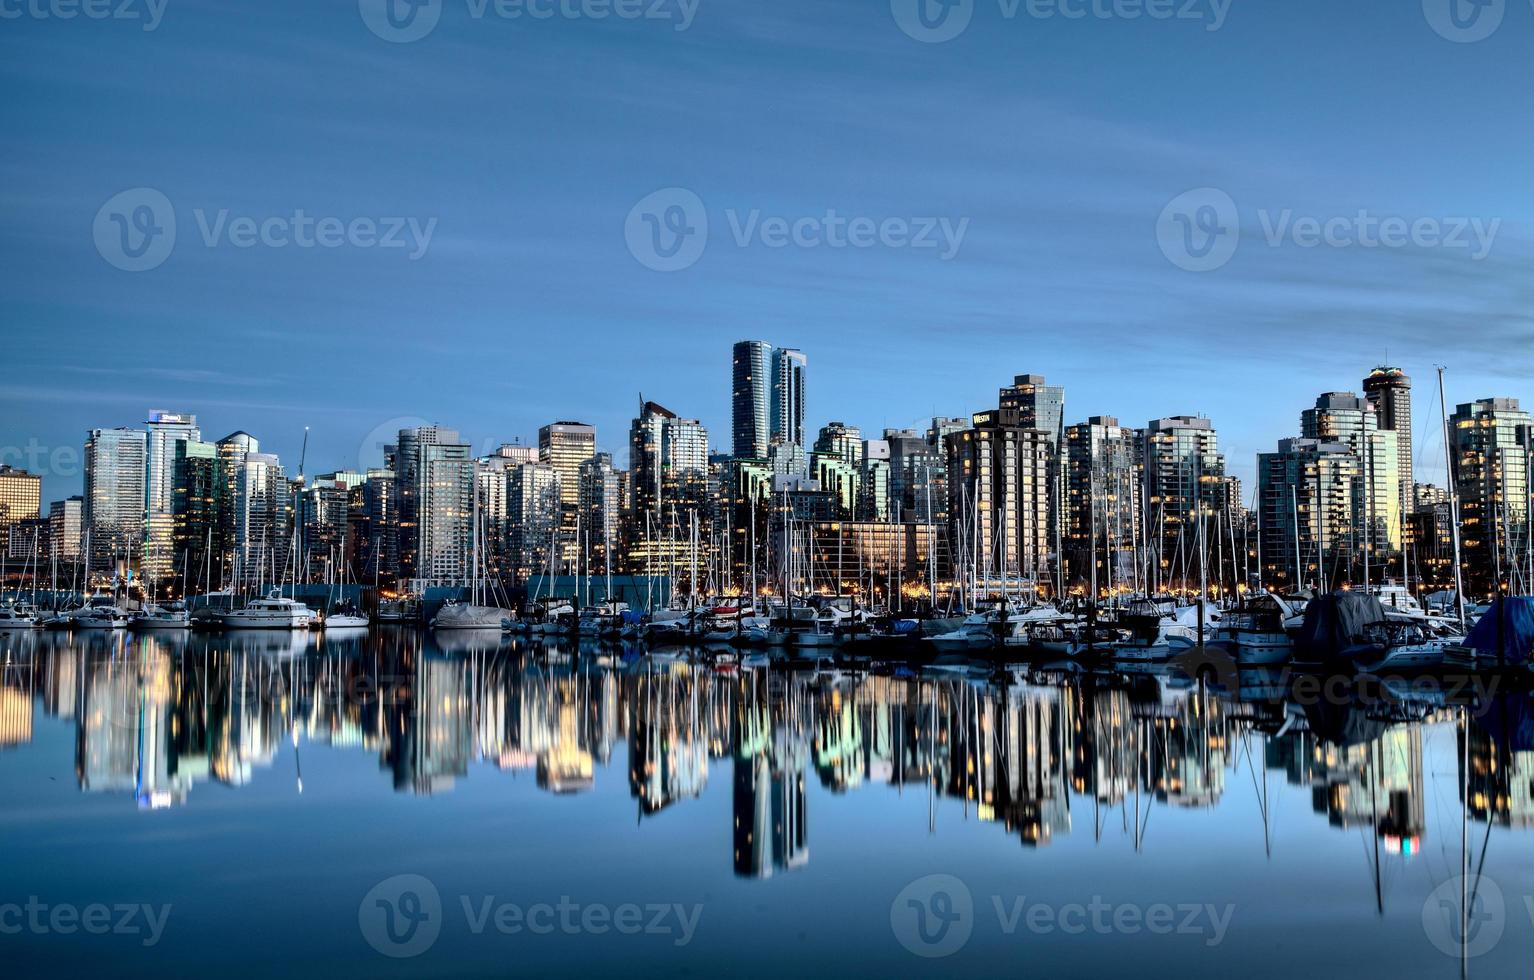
{"x":791,"y":803}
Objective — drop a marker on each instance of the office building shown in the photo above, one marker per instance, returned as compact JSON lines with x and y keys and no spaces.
{"x":114,"y":497}
{"x":165,"y":432}
{"x":21,"y":497}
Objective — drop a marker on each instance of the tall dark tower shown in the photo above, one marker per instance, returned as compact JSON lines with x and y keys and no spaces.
{"x":1389,"y":391}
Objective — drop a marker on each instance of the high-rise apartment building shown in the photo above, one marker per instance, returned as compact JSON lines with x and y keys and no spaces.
{"x":532,"y":518}
{"x":1490,"y":443}
{"x":165,"y":431}
{"x":1102,"y":503}
{"x":263,"y":528}
{"x":999,"y":474}
{"x":114,"y":496}
{"x":1309,"y":498}
{"x":1389,"y":391}
{"x":195,"y":497}
{"x":766,"y":397}
{"x":436,"y":485}
{"x":1184,"y":478}
{"x":1341,"y":416}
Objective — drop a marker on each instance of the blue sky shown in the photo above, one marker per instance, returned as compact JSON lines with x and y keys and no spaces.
{"x":524,"y":144}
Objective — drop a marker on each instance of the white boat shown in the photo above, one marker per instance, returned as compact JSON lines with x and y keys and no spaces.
{"x":18,"y":618}
{"x":100,"y":612}
{"x":154,"y":617}
{"x":1394,"y":644}
{"x":343,"y":620}
{"x":976,"y":632}
{"x":468,"y":616}
{"x":275,"y":612}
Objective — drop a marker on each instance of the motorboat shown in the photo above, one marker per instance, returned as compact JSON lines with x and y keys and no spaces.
{"x":275,"y":612}
{"x":13,"y":617}
{"x":1256,"y":631}
{"x":156,"y":617}
{"x":1395,"y":644}
{"x":100,"y":612}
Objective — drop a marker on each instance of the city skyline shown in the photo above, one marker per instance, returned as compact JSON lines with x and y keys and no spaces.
{"x":1062,"y":172}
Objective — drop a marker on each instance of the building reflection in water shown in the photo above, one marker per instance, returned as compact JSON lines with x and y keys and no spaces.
{"x":155,"y":716}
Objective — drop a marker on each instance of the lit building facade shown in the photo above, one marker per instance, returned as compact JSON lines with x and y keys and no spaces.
{"x":21,"y":498}
{"x":1490,"y":442}
{"x":165,"y":432}
{"x":999,"y":476}
{"x":1102,"y":503}
{"x":1184,"y":473}
{"x":114,"y":496}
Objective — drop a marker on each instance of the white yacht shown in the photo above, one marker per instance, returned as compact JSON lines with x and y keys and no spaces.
{"x":100,"y":612}
{"x":345,"y":620}
{"x":275,"y":612}
{"x":18,"y":618}
{"x":155,"y":617}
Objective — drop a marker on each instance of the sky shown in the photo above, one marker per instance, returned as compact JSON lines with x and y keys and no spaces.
{"x":536,"y":218}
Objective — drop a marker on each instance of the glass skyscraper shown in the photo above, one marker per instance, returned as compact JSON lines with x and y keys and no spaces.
{"x":166,"y":431}
{"x":114,"y":495}
{"x":766,"y":397}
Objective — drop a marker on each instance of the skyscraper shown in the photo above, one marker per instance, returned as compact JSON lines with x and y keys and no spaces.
{"x":165,"y":432}
{"x":436,"y":486}
{"x":999,"y":474}
{"x":66,"y":528}
{"x":1341,"y":416}
{"x":766,"y":397}
{"x":1182,"y":466}
{"x":1102,"y":513}
{"x":1308,"y":499}
{"x":1491,"y":441}
{"x":194,"y":511}
{"x":114,"y":495}
{"x":263,"y":514}
{"x":1039,"y":405}
{"x":532,"y":514}
{"x":21,"y":497}
{"x":668,"y":456}
{"x":1389,"y":391}
{"x":788,"y":368}
{"x":751,"y":399}
{"x":565,"y":446}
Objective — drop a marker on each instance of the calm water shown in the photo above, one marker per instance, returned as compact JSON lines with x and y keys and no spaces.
{"x":564,"y":810}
